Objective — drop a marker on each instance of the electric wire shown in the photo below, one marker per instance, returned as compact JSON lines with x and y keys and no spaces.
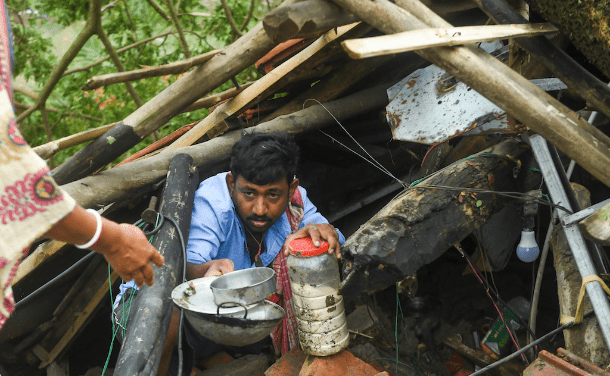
{"x":527,"y":347}
{"x":372,"y":160}
{"x":495,"y":293}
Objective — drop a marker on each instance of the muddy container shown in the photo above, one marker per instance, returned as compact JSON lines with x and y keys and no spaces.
{"x":314,"y":278}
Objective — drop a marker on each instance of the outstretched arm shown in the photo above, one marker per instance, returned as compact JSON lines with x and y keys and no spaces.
{"x":125,"y":246}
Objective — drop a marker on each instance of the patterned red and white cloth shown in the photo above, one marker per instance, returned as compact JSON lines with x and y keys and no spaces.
{"x":30,"y":200}
{"x":285,"y":335}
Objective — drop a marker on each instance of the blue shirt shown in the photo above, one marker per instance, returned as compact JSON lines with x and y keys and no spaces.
{"x":217,"y":232}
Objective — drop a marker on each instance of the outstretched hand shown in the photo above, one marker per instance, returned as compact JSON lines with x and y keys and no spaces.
{"x":317,"y":232}
{"x":129,"y":253}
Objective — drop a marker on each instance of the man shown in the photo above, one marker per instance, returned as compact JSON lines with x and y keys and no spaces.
{"x":243,"y":219}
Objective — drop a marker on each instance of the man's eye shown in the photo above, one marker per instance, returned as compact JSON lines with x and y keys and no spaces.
{"x":249,"y":194}
{"x":273,"y":195}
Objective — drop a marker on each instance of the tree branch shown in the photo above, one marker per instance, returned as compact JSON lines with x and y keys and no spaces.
{"x":57,"y":73}
{"x":117,"y":62}
{"x":159,"y":10}
{"x":249,"y":16}
{"x":227,"y":10}
{"x":172,"y":12}
{"x":133,"y":28}
{"x":161,"y":70}
{"x":49,"y":149}
{"x":123,"y":49}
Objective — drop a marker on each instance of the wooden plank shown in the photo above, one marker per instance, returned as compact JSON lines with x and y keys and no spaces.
{"x":437,"y":37}
{"x":248,"y":96}
{"x":40,"y":255}
{"x":83,"y":318}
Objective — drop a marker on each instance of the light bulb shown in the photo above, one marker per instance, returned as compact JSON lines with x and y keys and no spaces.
{"x":527,"y":250}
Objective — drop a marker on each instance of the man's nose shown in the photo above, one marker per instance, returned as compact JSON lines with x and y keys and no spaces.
{"x":260,"y":208}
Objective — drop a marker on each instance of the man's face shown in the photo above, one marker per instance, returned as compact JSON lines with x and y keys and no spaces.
{"x":260,"y":206}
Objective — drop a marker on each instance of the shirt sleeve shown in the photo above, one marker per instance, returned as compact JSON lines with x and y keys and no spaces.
{"x":311,"y":214}
{"x":206,"y":233}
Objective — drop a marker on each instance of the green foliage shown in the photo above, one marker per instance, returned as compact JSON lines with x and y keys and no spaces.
{"x":125,"y":22}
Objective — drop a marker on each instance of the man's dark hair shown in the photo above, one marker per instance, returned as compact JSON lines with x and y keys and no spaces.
{"x":264,"y":158}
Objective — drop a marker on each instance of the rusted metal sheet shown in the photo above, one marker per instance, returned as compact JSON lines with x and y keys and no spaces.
{"x":430,"y":106}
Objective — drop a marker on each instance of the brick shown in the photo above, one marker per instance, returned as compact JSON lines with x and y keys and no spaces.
{"x":288,"y":365}
{"x":220,"y":357}
{"x":341,"y":364}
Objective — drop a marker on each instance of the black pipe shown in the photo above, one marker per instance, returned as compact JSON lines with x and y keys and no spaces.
{"x":152,"y":309}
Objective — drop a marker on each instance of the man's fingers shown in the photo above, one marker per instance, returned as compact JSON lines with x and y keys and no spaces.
{"x":149,"y":275}
{"x":157,"y":259}
{"x":138,"y":278}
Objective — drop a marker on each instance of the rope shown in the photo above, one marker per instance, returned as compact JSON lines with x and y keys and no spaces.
{"x":581,"y":295}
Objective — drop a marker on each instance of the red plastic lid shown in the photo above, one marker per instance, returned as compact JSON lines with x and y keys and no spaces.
{"x":304,"y":247}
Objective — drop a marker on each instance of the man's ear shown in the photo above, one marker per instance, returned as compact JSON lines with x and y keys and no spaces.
{"x":293,"y":187}
{"x":230,"y":183}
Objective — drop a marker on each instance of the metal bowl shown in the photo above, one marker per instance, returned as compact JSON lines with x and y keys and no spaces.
{"x":233,"y":329}
{"x":244,"y":287}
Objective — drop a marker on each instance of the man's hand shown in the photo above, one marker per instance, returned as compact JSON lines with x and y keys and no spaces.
{"x":219,"y":267}
{"x":129,"y":253}
{"x":317,"y":232}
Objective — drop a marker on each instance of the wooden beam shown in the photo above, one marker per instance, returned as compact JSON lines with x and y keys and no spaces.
{"x":251,"y":94}
{"x":564,"y":128}
{"x":586,"y":339}
{"x":305,"y":19}
{"x":123,"y":181}
{"x":138,"y":74}
{"x":426,"y":38}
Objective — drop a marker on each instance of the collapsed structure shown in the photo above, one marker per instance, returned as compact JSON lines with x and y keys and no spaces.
{"x":436,"y":193}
